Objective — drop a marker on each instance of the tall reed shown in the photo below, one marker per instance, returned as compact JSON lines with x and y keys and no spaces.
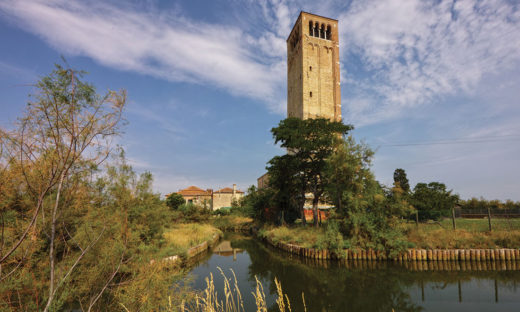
{"x":208,"y":300}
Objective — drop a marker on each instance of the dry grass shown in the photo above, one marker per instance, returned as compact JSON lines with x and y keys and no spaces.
{"x":470,"y":233}
{"x":481,"y":225}
{"x":309,"y":237}
{"x":184,"y":236}
{"x":232,"y":222}
{"x":208,"y":300}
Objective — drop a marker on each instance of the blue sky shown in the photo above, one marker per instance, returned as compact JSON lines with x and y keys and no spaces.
{"x":433,"y":86}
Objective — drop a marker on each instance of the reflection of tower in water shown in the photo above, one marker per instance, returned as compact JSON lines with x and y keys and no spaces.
{"x":225,"y":249}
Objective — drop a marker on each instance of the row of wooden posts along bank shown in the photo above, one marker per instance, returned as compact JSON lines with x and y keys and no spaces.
{"x":469,"y":266}
{"x":409,"y":255}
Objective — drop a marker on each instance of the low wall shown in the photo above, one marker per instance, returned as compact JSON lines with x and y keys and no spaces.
{"x":193,"y":251}
{"x":203,"y":247}
{"x":477,"y":255}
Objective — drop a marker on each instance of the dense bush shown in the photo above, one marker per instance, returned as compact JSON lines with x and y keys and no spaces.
{"x":258,"y":204}
{"x":190,"y":212}
{"x":433,"y":200}
{"x":174,"y":200}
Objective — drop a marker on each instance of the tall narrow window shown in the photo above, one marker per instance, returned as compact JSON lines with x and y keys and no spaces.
{"x":311,"y":29}
{"x":322,"y":31}
{"x":310,"y":94}
{"x":317,"y":30}
{"x":329,"y":33}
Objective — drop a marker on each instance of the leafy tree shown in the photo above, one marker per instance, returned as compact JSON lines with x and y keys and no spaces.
{"x":367,"y":217}
{"x":433,"y":200}
{"x":174,"y":200}
{"x":64,"y":134}
{"x":311,"y":142}
{"x":289,"y":186}
{"x":401,"y":181}
{"x":346,"y":170}
{"x":259,"y":202}
{"x":72,"y":234}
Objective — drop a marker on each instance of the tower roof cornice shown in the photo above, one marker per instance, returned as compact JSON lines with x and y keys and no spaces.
{"x":309,"y":14}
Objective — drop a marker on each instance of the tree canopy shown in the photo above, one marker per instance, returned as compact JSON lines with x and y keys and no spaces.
{"x":401,"y":181}
{"x":433,"y":200}
{"x":309,"y":143}
{"x":174,"y":200}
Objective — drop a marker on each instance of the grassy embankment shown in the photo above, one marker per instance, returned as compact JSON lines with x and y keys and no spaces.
{"x":470,"y":233}
{"x":232,"y":222}
{"x":181,"y":237}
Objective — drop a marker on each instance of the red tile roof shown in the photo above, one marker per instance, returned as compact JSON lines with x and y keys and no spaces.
{"x":193,"y":191}
{"x":227,"y":190}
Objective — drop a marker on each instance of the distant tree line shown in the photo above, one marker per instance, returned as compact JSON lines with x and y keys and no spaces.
{"x":495,"y":204}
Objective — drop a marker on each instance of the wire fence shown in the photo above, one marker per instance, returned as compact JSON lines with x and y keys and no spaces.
{"x":484,"y":213}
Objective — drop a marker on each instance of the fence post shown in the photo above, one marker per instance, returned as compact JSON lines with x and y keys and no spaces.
{"x":453,"y":217}
{"x":489,"y":218}
{"x":416,"y":218}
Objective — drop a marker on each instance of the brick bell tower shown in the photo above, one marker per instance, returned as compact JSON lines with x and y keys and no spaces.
{"x":313,"y":88}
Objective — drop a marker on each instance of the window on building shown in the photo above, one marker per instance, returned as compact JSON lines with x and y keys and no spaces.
{"x":310,"y":94}
{"x":311,"y":29}
{"x":329,"y":33}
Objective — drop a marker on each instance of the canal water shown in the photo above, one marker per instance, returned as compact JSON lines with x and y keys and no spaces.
{"x":357,"y":286}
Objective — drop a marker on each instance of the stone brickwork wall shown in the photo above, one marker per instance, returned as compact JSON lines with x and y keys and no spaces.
{"x":224,"y":199}
{"x":313,"y":87}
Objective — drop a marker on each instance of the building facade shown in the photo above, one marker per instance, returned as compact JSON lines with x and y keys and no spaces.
{"x":225,"y":197}
{"x":313,"y":71}
{"x":210,"y":199}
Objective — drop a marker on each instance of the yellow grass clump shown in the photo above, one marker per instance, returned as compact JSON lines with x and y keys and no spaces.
{"x":184,"y":236}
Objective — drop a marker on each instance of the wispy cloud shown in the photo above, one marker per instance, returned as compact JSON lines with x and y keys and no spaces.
{"x":166,"y":45}
{"x":18,"y":72}
{"x":414,"y":52}
{"x":163,"y":122}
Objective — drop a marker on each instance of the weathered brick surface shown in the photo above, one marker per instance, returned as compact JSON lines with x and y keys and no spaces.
{"x":313,"y":87}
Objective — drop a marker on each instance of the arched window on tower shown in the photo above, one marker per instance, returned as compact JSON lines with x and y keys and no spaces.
{"x":316,"y":30}
{"x":322,"y":31}
{"x":311,"y":29}
{"x":329,"y":33}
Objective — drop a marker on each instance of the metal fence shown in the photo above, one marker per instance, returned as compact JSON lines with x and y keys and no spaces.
{"x":483,"y":213}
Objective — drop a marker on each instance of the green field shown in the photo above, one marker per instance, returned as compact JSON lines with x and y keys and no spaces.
{"x":470,"y":233}
{"x":475,"y":225}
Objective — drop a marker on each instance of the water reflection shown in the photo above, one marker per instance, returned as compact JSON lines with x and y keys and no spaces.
{"x":363,"y":285}
{"x":224,"y":248}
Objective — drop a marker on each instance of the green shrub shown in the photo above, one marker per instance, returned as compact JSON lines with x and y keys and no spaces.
{"x":194,"y":213}
{"x":174,"y":201}
{"x":333,"y":237}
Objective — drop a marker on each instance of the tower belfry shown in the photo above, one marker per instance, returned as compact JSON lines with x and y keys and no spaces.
{"x":313,"y":88}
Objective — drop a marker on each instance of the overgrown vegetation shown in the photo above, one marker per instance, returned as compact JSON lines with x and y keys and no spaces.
{"x":77,"y":231}
{"x":210,"y":301}
{"x":181,"y":237}
{"x":470,"y":233}
{"x":322,"y":166}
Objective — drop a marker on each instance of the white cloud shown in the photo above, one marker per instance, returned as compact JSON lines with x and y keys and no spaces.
{"x":169,"y":45}
{"x":415,"y":52}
